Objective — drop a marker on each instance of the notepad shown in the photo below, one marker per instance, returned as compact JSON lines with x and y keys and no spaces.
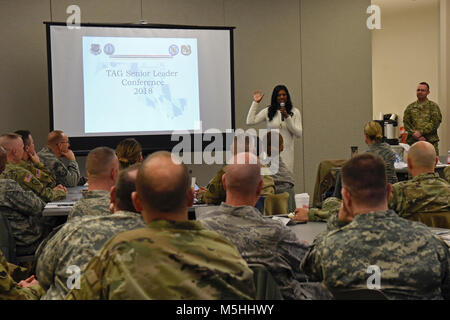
{"x":57,"y":205}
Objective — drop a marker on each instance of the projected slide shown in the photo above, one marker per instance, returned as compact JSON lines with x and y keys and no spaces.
{"x":140,"y":84}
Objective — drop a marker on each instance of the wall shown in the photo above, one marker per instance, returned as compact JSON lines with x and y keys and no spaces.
{"x":267,"y":53}
{"x":336,"y":80}
{"x":444,"y":76}
{"x":319,"y":48}
{"x":406,"y":51}
{"x":23,"y":81}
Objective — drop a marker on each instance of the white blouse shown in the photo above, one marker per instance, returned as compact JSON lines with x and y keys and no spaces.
{"x":290,"y":128}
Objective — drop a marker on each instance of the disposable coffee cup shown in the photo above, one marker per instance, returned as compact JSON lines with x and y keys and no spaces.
{"x":302,"y":200}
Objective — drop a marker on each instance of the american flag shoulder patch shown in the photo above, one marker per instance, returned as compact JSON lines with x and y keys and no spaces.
{"x":27,"y":178}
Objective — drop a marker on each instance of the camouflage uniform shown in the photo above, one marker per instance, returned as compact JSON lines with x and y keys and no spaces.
{"x":75,"y":244}
{"x":39,"y":171}
{"x":414,"y":264}
{"x":425,"y":193}
{"x":10,"y":290}
{"x":447,"y":174}
{"x":330,"y":206}
{"x":93,"y":203}
{"x":267,"y":242}
{"x":215,"y":193}
{"x":167,"y":260}
{"x":29,"y":182}
{"x":385,"y":152}
{"x":68,"y":175}
{"x":426,"y":118}
{"x":23,"y":210}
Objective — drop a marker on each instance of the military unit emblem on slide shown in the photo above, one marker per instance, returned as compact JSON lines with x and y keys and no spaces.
{"x":95,"y":48}
{"x":173,"y":50}
{"x":109,"y":49}
{"x":186,"y":50}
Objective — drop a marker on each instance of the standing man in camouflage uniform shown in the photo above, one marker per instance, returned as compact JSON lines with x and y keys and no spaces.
{"x":102,"y":167}
{"x":31,"y":161}
{"x":57,"y":147}
{"x":28,"y":289}
{"x":23,"y":210}
{"x":426,"y":192}
{"x":412,"y":263}
{"x":260,"y":240}
{"x":422,"y":118}
{"x":172,"y":258}
{"x":81,"y":239}
{"x":13,"y":145}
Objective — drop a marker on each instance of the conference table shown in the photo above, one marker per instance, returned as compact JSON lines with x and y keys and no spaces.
{"x":63,"y":207}
{"x":308,"y":231}
{"x":304,"y":231}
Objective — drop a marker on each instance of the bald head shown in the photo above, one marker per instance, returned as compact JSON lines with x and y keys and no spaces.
{"x":100,"y":161}
{"x":422,"y":155}
{"x":2,"y":159}
{"x":162,"y":185}
{"x":243,"y":174}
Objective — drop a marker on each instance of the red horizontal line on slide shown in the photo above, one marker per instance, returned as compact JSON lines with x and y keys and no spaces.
{"x":140,"y":56}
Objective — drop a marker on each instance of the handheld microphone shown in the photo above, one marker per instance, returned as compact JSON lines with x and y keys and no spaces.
{"x":282,"y":105}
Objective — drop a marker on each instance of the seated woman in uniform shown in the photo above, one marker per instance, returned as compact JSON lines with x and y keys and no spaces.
{"x":129,"y":152}
{"x":373,"y":136}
